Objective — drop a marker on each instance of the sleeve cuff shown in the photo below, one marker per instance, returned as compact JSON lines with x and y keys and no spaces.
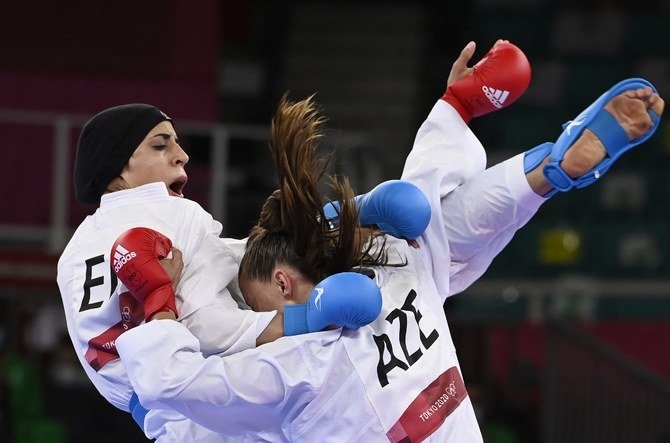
{"x":295,"y":319}
{"x":519,"y":187}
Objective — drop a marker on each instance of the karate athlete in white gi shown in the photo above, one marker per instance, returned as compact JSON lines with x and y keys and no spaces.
{"x":398,"y":378}
{"x":130,"y":163}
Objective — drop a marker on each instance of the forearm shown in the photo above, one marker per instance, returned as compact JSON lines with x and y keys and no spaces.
{"x":273,"y":331}
{"x":164,"y":316}
{"x":224,"y":329}
{"x":445,"y":154}
{"x":168,"y":371}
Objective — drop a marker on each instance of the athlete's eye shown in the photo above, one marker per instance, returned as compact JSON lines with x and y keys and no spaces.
{"x":159,"y":147}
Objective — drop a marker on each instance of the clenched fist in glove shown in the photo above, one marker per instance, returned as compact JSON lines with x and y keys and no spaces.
{"x":398,"y":207}
{"x":346,"y":299}
{"x":136,"y":256}
{"x":498,"y":80}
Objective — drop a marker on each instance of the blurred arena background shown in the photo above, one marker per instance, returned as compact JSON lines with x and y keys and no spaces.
{"x":565,"y":339}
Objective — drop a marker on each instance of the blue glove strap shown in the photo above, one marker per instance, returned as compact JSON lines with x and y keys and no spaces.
{"x":295,"y":319}
{"x":137,"y":410}
{"x":533,"y":158}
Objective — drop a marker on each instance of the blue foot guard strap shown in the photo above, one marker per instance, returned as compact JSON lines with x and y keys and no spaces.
{"x":604,"y":126}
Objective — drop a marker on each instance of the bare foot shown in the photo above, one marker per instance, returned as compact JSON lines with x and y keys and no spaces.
{"x":630,"y":110}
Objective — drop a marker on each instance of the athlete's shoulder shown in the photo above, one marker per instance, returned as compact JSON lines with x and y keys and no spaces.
{"x":235,"y":246}
{"x":83,"y":230}
{"x":190,"y":207}
{"x":185,"y":202}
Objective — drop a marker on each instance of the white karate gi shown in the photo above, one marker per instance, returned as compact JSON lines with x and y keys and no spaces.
{"x":90,"y":293}
{"x":397,"y":378}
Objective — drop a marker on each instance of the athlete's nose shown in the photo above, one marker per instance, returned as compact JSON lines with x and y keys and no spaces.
{"x":181,"y":157}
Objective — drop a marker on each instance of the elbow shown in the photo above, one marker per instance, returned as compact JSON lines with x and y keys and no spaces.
{"x":151,"y":395}
{"x":154,"y":390}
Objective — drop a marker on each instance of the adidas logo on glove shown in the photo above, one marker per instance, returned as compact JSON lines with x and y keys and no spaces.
{"x":121,"y":257}
{"x":495,"y":96}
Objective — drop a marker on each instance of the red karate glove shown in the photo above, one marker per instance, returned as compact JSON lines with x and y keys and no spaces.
{"x":497,"y":81}
{"x":135,"y":260}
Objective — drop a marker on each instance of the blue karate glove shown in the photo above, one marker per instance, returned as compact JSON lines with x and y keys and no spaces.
{"x":347,"y":299}
{"x":398,"y":207}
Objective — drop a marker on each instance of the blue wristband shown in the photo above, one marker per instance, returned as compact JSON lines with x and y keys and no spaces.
{"x":137,"y":410}
{"x":295,"y":319}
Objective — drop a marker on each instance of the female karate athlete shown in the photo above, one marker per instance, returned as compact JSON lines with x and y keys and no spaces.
{"x":397,"y":378}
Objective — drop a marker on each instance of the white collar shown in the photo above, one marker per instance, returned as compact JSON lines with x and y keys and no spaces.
{"x":151,"y":191}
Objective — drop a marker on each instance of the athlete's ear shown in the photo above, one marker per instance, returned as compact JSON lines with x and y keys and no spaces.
{"x":283,"y":280}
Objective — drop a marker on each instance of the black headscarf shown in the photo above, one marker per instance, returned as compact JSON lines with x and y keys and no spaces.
{"x":106,"y":143}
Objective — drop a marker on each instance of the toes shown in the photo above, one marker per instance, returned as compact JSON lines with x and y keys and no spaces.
{"x":649,"y":97}
{"x":630,"y":110}
{"x":640,"y":127}
{"x":657,"y":105}
{"x":639,"y":94}
{"x":651,"y":100}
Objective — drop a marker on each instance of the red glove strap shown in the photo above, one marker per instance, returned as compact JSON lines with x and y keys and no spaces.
{"x":161,"y":300}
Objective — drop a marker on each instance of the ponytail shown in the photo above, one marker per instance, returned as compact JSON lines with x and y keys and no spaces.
{"x":292,"y":228}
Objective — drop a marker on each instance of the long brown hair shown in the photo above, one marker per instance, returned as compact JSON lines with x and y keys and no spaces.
{"x":292,"y":228}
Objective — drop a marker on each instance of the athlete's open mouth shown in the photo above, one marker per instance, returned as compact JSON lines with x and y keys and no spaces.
{"x":176,"y":187}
